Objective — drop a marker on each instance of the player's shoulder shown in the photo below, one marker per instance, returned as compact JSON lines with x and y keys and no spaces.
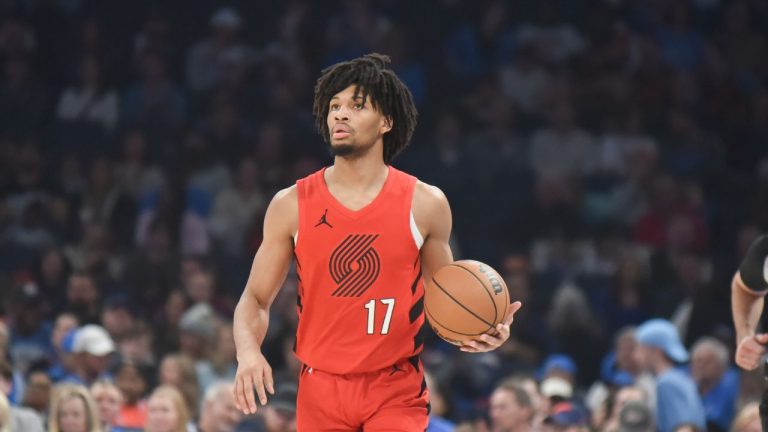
{"x":428,"y":195}
{"x":285,"y":205}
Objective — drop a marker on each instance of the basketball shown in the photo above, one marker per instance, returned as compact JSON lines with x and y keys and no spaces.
{"x":464,"y":300}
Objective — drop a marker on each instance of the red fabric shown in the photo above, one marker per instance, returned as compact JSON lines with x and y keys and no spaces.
{"x":391,"y":399}
{"x":347,"y":260}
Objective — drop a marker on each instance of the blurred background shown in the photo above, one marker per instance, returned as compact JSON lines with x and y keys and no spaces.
{"x":608,"y":157}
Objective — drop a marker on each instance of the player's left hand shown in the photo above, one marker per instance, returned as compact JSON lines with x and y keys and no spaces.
{"x":494,"y":338}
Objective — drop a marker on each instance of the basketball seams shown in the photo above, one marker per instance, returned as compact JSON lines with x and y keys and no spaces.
{"x":432,"y":319}
{"x":437,"y":284}
{"x":488,"y":291}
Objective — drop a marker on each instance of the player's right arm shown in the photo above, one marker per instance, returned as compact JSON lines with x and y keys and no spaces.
{"x":748,"y":290}
{"x":251,"y":320}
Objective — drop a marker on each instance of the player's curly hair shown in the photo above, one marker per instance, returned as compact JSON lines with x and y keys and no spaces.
{"x":372,"y":77}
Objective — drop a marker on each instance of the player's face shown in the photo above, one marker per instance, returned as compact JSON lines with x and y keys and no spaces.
{"x":355,"y":126}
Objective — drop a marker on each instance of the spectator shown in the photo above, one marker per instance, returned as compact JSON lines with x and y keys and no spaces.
{"x":219,"y":413}
{"x":205,"y":60}
{"x":73,"y":410}
{"x":566,"y":417}
{"x":21,"y":419}
{"x":280,"y":411}
{"x":167,"y":411}
{"x":197,"y":331}
{"x":223,"y":363}
{"x":511,"y":409}
{"x":37,"y":390}
{"x":439,"y":407}
{"x":30,"y":339}
{"x":677,"y":402}
{"x":718,"y":384}
{"x":636,"y":417}
{"x":178,"y":371}
{"x":94,"y":347}
{"x":90,"y":100}
{"x":108,"y":400}
{"x":83,"y":297}
{"x":131,"y":380}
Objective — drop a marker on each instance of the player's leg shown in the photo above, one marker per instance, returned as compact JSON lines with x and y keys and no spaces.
{"x":400,"y":398}
{"x":318,"y":404}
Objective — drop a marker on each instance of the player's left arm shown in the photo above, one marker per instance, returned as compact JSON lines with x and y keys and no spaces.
{"x":432,"y":214}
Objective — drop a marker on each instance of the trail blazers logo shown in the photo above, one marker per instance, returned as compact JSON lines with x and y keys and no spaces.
{"x":354,"y":265}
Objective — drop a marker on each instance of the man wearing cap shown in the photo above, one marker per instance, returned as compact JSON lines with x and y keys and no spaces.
{"x":566,"y":417}
{"x":93,"y":346}
{"x":658,"y":351}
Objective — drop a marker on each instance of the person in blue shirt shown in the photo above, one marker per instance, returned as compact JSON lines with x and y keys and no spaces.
{"x":659,"y":351}
{"x":717,"y":382}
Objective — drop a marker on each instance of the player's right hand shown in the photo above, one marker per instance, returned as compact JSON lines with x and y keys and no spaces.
{"x":254,"y":377}
{"x":750,"y":351}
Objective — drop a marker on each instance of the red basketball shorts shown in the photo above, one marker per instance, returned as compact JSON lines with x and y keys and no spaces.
{"x":394,"y":399}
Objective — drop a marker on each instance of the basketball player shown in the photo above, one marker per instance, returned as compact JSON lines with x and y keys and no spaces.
{"x":748,"y":290}
{"x":364,"y":235}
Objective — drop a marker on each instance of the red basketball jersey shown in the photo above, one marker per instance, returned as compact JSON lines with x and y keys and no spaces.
{"x":361,"y":295}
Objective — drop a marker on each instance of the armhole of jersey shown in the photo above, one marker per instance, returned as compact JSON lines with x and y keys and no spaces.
{"x":417,"y":237}
{"x":295,"y":238}
{"x":742,"y":286}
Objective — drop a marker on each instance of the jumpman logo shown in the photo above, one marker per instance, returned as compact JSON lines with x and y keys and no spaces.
{"x":323,"y":220}
{"x":395,"y":368}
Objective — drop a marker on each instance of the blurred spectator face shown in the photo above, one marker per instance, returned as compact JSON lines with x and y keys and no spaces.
{"x":506,"y":412}
{"x":94,"y":365}
{"x":644,"y":356}
{"x":170,"y":372}
{"x":175,"y":306}
{"x":136,"y":346}
{"x":52,"y":266}
{"x":108,"y":400}
{"x":199,"y":287}
{"x":117,"y":320}
{"x":72,"y":415}
{"x":63,"y":325}
{"x":706,"y":365}
{"x":248,"y":174}
{"x":37,"y":393}
{"x":81,"y":290}
{"x":625,"y":348}
{"x":162,"y":415}
{"x":131,"y":383}
{"x":225,"y":346}
{"x":223,"y":412}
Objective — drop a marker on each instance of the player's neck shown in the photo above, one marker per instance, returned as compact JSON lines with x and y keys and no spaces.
{"x":362,"y":173}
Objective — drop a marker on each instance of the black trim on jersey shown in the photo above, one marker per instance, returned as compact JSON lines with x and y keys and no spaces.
{"x":415,"y":362}
{"x":416,"y":310}
{"x":418,"y":340}
{"x":415,"y":283}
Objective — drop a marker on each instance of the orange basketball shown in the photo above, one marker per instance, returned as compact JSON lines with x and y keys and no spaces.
{"x":464,"y":300}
